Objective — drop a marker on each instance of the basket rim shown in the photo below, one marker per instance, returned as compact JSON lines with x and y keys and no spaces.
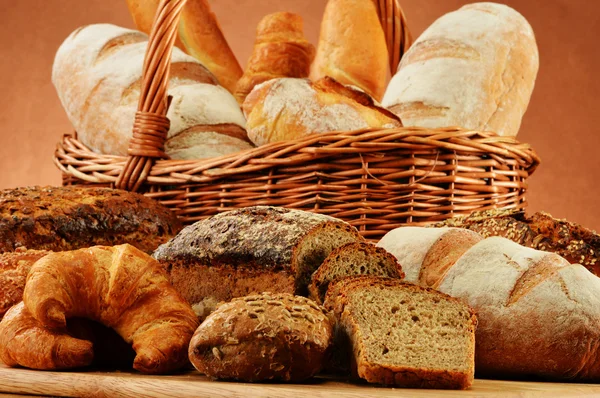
{"x":75,"y":159}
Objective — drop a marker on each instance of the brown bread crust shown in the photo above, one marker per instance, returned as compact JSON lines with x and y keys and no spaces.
{"x":575,"y":243}
{"x":263,"y":337}
{"x":256,"y":238}
{"x":14,"y":267}
{"x":69,"y":218}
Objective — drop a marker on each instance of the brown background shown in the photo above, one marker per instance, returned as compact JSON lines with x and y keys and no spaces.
{"x":561,"y":123}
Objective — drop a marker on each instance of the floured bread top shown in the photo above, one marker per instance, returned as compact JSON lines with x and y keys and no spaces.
{"x":473,"y":68}
{"x":289,"y":108}
{"x":98,"y":73}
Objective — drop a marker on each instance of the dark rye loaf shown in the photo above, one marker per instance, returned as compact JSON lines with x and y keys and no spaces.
{"x":250,"y":250}
{"x":70,"y":218}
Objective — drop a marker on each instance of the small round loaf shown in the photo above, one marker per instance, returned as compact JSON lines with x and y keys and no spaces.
{"x":263,"y":337}
{"x":287,"y":109}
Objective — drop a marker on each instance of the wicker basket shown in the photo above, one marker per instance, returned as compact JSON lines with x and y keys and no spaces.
{"x":375,"y":179}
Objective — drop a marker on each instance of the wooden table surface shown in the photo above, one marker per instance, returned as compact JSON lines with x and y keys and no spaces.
{"x":192,"y":384}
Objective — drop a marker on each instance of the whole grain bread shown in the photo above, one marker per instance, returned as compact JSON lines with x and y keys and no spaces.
{"x":541,"y":231}
{"x":263,"y":337}
{"x":69,"y":218}
{"x":402,"y":334}
{"x":538,"y":315}
{"x":357,"y":258}
{"x":250,"y":250}
{"x":14,"y":267}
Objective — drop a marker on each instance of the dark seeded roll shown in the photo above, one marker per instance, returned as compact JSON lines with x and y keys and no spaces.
{"x":263,"y":337}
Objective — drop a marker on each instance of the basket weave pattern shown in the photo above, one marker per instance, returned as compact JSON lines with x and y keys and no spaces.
{"x":375,"y":179}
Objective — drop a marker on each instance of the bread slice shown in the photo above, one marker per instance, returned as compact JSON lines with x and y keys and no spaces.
{"x":357,"y":258}
{"x":403,"y":334}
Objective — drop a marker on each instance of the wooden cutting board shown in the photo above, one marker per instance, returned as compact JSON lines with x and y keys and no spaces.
{"x":192,"y":384}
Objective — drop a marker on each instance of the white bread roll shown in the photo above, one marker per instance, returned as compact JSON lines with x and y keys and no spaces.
{"x":538,"y":315}
{"x":290,"y":108}
{"x":97,"y":73}
{"x":473,"y":68}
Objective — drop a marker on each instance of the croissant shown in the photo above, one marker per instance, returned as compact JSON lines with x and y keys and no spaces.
{"x":121,"y":288}
{"x":24,"y":342}
{"x":280,"y":50}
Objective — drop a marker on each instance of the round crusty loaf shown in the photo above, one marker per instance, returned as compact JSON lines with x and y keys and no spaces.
{"x":474,"y":68}
{"x":287,"y":109}
{"x":69,"y":218}
{"x":97,"y":73}
{"x":263,"y":337}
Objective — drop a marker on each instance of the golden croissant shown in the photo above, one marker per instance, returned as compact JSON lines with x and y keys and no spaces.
{"x":121,"y":288}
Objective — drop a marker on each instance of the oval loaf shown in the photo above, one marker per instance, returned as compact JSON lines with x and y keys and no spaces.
{"x":473,"y":68}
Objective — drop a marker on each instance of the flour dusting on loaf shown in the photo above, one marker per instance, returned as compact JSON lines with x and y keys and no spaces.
{"x":290,"y":108}
{"x":97,"y":73}
{"x":473,"y":68}
{"x":538,"y":314}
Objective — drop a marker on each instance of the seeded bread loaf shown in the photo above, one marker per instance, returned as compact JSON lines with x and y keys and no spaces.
{"x":263,"y":337}
{"x":357,"y":258}
{"x":402,"y":334}
{"x":69,"y":218}
{"x":538,"y":314}
{"x":575,"y":243}
{"x":250,"y":250}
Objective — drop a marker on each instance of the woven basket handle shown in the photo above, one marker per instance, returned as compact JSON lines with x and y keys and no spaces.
{"x":151,"y":124}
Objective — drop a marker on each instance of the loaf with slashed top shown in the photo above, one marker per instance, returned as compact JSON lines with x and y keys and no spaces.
{"x":538,"y":314}
{"x":473,"y":68}
{"x":250,"y":250}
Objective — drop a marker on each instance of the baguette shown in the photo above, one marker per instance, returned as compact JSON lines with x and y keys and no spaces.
{"x":538,"y":314}
{"x":199,"y":35}
{"x":352,"y":47}
{"x":474,"y":68}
